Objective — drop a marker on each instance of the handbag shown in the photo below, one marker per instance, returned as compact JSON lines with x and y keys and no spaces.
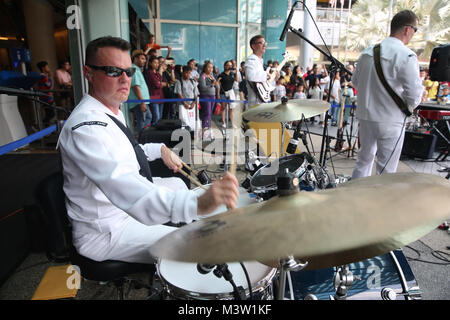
{"x":399,"y":101}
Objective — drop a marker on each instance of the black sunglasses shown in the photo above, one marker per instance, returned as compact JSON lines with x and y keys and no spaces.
{"x":114,"y":71}
{"x":413,"y":27}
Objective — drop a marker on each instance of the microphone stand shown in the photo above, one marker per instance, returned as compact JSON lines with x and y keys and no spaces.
{"x":336,"y":66}
{"x":223,"y":271}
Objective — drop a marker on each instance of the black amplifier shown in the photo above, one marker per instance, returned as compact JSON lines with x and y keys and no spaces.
{"x":419,"y":145}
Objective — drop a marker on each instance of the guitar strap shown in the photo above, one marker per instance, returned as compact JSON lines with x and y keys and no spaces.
{"x":399,"y":101}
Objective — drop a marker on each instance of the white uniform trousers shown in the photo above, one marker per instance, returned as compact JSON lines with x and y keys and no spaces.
{"x":378,"y":139}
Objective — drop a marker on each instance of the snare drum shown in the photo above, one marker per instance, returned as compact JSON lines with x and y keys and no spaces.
{"x":181,"y":280}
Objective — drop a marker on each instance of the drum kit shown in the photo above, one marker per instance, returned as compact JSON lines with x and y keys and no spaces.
{"x":279,"y":228}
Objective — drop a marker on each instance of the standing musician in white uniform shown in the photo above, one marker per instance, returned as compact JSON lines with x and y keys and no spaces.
{"x":116,"y":212}
{"x":254,"y":68}
{"x":381,"y":120}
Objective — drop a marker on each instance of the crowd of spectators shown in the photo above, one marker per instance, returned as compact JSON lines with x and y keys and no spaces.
{"x":162,"y":77}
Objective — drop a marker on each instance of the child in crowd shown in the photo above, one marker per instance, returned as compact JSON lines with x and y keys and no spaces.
{"x":444,"y":97}
{"x":280,"y":90}
{"x":186,"y":88}
{"x":300,"y":92}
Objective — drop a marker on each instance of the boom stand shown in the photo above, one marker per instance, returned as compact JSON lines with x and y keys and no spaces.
{"x":334,"y":67}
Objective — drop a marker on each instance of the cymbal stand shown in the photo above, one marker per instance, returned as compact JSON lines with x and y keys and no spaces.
{"x":286,"y":265}
{"x":283,"y":129}
{"x":350,"y":136}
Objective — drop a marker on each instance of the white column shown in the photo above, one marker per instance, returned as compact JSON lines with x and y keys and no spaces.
{"x":306,"y":50}
{"x":40,"y":32}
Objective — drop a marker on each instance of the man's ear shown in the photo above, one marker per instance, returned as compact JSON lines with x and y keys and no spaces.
{"x":87,"y":73}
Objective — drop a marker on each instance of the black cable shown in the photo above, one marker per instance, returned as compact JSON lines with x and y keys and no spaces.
{"x":248,"y":280}
{"x":392,"y":153}
{"x":447,"y":261}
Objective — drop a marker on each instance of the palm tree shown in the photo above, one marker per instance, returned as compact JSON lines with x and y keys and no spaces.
{"x":369,"y":21}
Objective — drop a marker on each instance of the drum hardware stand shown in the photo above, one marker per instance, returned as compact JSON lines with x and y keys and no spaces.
{"x":286,"y":265}
{"x":343,"y":280}
{"x":444,"y":154}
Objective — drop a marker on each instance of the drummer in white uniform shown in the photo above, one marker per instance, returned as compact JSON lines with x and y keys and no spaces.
{"x":115,"y":209}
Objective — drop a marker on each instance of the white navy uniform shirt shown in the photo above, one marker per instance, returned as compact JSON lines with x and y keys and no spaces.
{"x":102,"y":183}
{"x":401,"y":70}
{"x":254,"y":72}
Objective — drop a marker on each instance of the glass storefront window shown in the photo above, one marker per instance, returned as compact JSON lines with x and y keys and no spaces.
{"x":216,"y":44}
{"x":224,"y":11}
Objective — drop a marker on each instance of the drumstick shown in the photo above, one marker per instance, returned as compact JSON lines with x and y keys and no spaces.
{"x":187,"y":167}
{"x":236,"y":122}
{"x":192,"y":179}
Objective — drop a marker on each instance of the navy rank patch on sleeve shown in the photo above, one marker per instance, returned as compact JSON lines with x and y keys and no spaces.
{"x":90,"y":123}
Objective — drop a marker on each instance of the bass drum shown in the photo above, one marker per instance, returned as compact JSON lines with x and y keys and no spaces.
{"x":181,"y":280}
{"x":376,"y":275}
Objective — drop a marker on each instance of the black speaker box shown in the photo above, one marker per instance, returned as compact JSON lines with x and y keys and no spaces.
{"x":440,"y":63}
{"x":419,"y":145}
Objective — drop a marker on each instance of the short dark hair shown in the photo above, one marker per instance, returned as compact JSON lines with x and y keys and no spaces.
{"x":205,"y":64}
{"x":150,"y":60}
{"x":402,"y":19}
{"x":186,"y":68}
{"x":41,"y":65}
{"x":255,"y":38}
{"x":103,"y":42}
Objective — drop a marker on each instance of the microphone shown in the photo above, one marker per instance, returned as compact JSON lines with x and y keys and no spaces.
{"x":288,"y":22}
{"x":204,"y":268}
{"x":293,"y":143}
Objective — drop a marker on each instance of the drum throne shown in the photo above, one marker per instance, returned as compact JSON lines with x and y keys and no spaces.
{"x":50,"y":195}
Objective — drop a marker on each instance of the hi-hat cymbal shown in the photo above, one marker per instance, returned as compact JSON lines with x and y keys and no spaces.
{"x":353,"y":222}
{"x":286,"y":111}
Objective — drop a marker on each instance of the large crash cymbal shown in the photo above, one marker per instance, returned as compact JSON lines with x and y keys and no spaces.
{"x":286,"y":111}
{"x":332,"y":227}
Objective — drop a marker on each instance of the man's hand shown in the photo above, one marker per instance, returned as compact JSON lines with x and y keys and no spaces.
{"x":224,"y":191}
{"x":143,"y":107}
{"x":170,"y":159}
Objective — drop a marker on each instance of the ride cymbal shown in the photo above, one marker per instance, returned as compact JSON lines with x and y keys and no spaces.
{"x":286,"y":111}
{"x":353,"y":222}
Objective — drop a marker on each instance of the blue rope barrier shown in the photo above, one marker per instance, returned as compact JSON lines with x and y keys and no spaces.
{"x":181,"y":100}
{"x":24,"y":141}
{"x":211,"y":100}
{"x":346,"y":106}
